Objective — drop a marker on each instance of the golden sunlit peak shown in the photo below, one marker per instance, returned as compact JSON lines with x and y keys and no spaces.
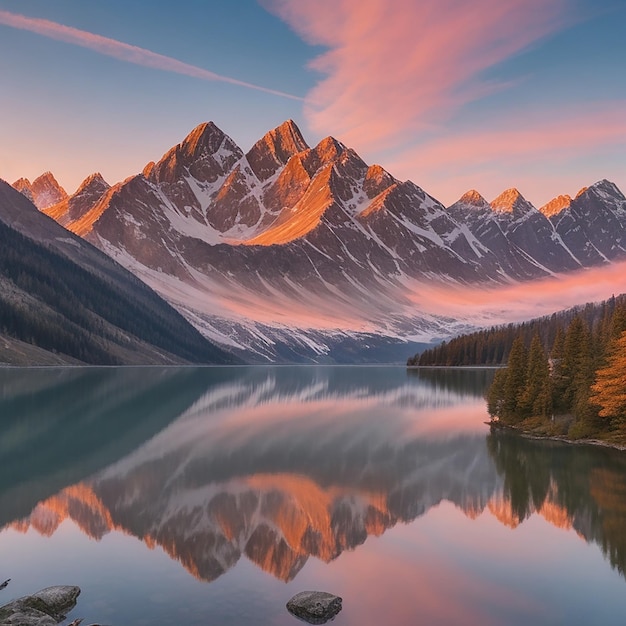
{"x":328,"y":149}
{"x":581,"y":192}
{"x":285,"y":138}
{"x":21,"y":183}
{"x":556,"y":205}
{"x":147,"y":170}
{"x":24,"y":186}
{"x":508,"y":201}
{"x":473,"y":198}
{"x":44,"y":191}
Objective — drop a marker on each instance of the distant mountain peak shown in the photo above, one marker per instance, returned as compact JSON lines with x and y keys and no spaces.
{"x":473,"y":198}
{"x":46,"y":177}
{"x":556,"y":205}
{"x":24,"y":186}
{"x":377,"y":179}
{"x":509,"y":201}
{"x":43,"y":192}
{"x":94,"y":181}
{"x":275,"y":148}
{"x":206,"y":154}
{"x":21,"y":183}
{"x":604,"y":189}
{"x":607,"y":187}
{"x":289,"y":135}
{"x":206,"y":138}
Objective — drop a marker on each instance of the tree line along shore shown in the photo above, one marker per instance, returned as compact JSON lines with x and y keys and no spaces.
{"x":565,"y":374}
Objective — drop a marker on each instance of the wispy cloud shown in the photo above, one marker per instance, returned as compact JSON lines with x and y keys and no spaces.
{"x":574,"y":130}
{"x":520,"y":301}
{"x":394,"y":70}
{"x":123,"y":51}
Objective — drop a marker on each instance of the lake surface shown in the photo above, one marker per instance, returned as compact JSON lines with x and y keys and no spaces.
{"x":212,"y":495}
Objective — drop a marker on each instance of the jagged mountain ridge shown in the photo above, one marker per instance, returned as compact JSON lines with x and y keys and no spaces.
{"x":43,"y":192}
{"x":72,"y":208}
{"x":236,"y":241}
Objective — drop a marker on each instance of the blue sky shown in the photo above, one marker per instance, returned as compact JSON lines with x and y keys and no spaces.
{"x":451,"y":94}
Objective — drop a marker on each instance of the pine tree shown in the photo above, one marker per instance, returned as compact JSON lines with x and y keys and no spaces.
{"x":536,"y":398}
{"x":559,"y":381}
{"x":515,"y":383}
{"x":577,"y":363}
{"x":495,"y":394}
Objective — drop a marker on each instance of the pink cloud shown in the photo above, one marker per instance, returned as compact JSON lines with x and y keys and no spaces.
{"x":485,"y":157}
{"x":122,"y":51}
{"x":573,"y":130}
{"x":521,"y":301}
{"x":395,"y":70}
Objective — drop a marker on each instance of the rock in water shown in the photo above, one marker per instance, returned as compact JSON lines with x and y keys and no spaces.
{"x":59,"y":600}
{"x":44,"y":608}
{"x":315,"y":607}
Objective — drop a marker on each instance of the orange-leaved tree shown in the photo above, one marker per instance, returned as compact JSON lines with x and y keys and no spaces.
{"x":609,"y":390}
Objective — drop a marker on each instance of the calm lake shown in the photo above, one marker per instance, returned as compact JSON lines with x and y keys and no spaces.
{"x":212,"y":495}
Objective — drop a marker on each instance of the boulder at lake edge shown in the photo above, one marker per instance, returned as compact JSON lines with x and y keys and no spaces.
{"x":44,"y":608}
{"x":315,"y":607}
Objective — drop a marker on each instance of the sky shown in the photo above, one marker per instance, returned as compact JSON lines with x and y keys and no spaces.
{"x":451,"y":94}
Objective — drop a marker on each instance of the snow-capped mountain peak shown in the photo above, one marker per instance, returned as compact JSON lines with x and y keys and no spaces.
{"x":287,"y":251}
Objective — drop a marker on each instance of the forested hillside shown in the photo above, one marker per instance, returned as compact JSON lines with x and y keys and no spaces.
{"x":492,"y":346}
{"x":575,"y":388}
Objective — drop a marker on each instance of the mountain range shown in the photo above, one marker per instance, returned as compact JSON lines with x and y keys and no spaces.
{"x":293,"y":253}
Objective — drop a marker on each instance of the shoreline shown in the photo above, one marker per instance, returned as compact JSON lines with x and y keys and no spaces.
{"x":494,"y":425}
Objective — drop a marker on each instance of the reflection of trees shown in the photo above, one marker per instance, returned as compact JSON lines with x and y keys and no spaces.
{"x":465,"y":381}
{"x":608,"y":489}
{"x":586,"y":482}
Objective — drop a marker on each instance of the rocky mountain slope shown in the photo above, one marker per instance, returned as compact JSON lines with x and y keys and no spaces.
{"x":63,"y":301}
{"x":288,"y":252}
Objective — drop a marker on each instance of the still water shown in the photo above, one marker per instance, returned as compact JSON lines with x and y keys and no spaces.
{"x":212,"y":495}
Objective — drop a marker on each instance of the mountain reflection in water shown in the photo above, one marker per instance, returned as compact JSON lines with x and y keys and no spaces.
{"x":281,"y":464}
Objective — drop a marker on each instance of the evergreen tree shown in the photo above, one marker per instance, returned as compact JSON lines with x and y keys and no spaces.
{"x":577,"y":362}
{"x":495,"y":394}
{"x":515,"y":383}
{"x":536,"y":398}
{"x":559,"y":381}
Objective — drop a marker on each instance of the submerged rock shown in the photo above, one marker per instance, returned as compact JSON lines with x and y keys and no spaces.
{"x":44,"y":608}
{"x":315,"y":607}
